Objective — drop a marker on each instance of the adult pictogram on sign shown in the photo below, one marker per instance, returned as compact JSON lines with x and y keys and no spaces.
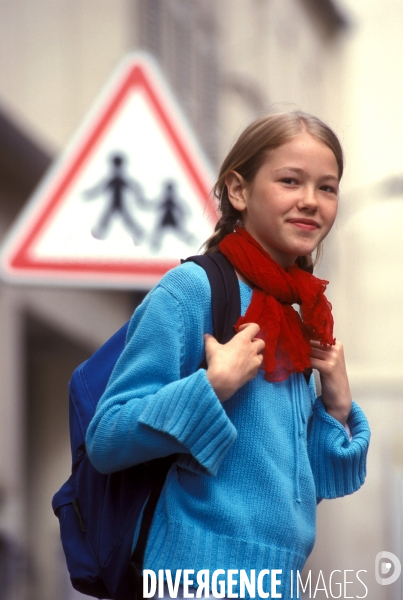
{"x":116,"y":188}
{"x":128,"y":198}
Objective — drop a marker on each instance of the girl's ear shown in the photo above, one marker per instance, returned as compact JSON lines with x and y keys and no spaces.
{"x":236,"y":188}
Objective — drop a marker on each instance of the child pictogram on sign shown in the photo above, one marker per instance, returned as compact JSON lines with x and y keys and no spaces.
{"x":171,"y":215}
{"x":117,"y":187}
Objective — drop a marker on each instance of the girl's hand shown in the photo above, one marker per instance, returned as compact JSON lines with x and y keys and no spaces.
{"x":336,"y":393}
{"x":231,"y":365}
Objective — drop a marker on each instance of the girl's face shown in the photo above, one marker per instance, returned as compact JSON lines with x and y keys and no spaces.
{"x":291,"y":204}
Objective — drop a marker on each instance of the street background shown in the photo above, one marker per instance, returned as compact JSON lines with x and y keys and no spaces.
{"x":227,"y":63}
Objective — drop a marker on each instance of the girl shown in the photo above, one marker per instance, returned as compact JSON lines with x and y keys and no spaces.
{"x":256,"y":450}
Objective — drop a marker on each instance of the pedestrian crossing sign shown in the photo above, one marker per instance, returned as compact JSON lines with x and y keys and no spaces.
{"x":128,"y":198}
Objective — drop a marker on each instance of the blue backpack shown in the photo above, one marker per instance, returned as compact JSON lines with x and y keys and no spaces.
{"x":98,"y":513}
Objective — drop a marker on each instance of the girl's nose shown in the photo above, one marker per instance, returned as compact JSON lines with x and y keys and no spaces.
{"x":308,"y":199}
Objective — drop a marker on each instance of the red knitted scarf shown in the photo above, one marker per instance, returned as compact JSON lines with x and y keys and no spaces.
{"x":286,"y":334}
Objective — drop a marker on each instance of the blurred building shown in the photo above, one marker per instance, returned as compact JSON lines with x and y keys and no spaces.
{"x":227,"y":63}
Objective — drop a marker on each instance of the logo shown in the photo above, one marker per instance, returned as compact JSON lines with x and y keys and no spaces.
{"x":387,"y":568}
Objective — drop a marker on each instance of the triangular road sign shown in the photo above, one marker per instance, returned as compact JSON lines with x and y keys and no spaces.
{"x":128,"y":198}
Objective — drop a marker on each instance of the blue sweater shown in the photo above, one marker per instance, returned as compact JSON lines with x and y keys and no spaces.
{"x":243,"y":491}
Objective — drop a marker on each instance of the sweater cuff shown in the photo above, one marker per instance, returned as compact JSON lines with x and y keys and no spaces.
{"x":195,"y":417}
{"x":338,"y":462}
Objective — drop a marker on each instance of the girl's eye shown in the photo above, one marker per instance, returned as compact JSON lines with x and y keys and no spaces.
{"x":289,"y":180}
{"x":329,"y":189}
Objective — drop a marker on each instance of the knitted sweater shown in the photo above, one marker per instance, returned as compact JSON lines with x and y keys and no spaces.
{"x":243,"y":491}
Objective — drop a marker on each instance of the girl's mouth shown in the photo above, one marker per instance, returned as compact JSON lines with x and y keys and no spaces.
{"x":307,"y":224}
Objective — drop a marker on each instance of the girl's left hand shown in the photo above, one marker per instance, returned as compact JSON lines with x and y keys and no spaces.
{"x":336,"y":393}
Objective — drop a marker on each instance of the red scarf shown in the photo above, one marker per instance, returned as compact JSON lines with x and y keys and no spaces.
{"x":286,"y":335}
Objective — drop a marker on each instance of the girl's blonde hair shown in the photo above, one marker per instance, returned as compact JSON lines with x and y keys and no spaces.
{"x":248,"y":154}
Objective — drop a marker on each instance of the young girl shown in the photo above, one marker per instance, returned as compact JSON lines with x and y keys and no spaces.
{"x":255,"y":449}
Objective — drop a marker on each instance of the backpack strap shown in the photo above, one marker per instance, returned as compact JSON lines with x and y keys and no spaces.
{"x":226,"y":309}
{"x":225,"y":297}
{"x":161,"y":467}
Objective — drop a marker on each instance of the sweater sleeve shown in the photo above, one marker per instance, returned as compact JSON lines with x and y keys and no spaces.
{"x":338,"y":462}
{"x":158,"y":402}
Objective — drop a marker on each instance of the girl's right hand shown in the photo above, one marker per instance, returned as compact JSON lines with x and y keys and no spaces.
{"x":231,"y":365}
